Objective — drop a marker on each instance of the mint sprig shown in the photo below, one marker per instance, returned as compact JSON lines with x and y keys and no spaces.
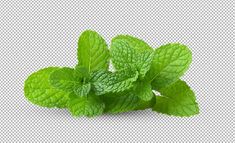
{"x":90,"y":89}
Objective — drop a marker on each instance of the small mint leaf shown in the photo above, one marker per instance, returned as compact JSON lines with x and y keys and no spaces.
{"x":63,"y":79}
{"x":108,"y":82}
{"x":82,"y":89}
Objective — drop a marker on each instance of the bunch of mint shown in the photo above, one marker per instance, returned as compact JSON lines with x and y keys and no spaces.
{"x":91,"y":89}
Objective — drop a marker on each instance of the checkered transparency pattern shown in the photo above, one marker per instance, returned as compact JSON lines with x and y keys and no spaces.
{"x":39,"y":34}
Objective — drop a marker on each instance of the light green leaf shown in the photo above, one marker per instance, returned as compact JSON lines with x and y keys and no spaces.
{"x":92,"y":51}
{"x":177,"y":99}
{"x":82,"y":89}
{"x":106,"y":82}
{"x":38,"y":90}
{"x":169,"y":63}
{"x":89,"y":106}
{"x":63,"y":79}
{"x":128,"y":51}
{"x":143,"y":90}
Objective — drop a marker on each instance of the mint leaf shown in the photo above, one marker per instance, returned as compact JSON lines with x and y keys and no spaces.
{"x":81,"y":72}
{"x":63,"y":79}
{"x":92,"y":51}
{"x":134,"y":42}
{"x":143,"y":90}
{"x":144,"y":62}
{"x":105,"y":81}
{"x":128,"y":51}
{"x":124,"y":102}
{"x":122,"y":55}
{"x":38,"y":90}
{"x":120,"y":102}
{"x":142,"y":105}
{"x":169,"y":63}
{"x":177,"y":99}
{"x":89,"y":106}
{"x":82,"y":89}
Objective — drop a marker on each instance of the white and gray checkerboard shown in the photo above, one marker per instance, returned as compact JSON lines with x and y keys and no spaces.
{"x":44,"y":33}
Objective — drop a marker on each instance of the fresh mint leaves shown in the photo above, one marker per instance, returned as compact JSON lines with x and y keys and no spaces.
{"x":90,"y":89}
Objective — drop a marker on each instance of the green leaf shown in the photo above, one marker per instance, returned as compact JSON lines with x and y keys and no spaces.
{"x":134,"y":42}
{"x":120,"y":102}
{"x":89,"y":106}
{"x":38,"y":90}
{"x":92,"y":51}
{"x":144,"y":62}
{"x":143,"y":90}
{"x":128,"y":51}
{"x":81,"y":72}
{"x":82,"y":90}
{"x":122,"y":55}
{"x":177,"y":99}
{"x":170,"y":62}
{"x":142,"y":105}
{"x":63,"y":79}
{"x":124,"y":102}
{"x":106,"y":82}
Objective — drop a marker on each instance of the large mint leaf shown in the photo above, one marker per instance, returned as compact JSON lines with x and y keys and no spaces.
{"x":39,"y":91}
{"x":89,"y":106}
{"x":108,"y":82}
{"x":92,"y":51}
{"x":128,"y":51}
{"x":177,"y":99}
{"x":169,"y":63}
